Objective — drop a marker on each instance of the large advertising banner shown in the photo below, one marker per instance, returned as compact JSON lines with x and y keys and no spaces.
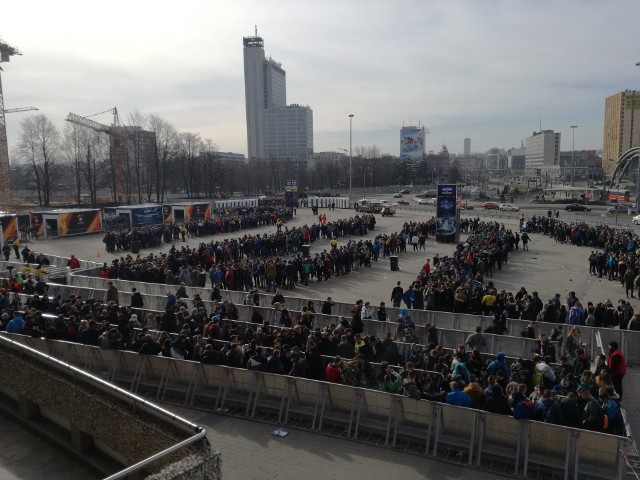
{"x":79,"y":222}
{"x":37,"y":223}
{"x":167,"y":213}
{"x":146,"y":216}
{"x":197,"y":211}
{"x":412,"y":143}
{"x":109,"y":213}
{"x":9,"y":227}
{"x":448,"y":214}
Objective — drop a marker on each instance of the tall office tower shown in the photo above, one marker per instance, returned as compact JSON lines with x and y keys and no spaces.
{"x":543,"y":151}
{"x":274,"y":129}
{"x":621,"y":127}
{"x":467,"y":147}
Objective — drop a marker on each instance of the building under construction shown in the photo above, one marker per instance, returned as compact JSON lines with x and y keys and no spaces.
{"x":132,"y":151}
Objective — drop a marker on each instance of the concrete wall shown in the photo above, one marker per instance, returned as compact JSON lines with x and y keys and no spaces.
{"x":96,"y":419}
{"x":204,"y":464}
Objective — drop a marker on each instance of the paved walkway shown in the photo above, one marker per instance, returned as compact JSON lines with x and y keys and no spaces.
{"x":251,"y":451}
{"x":23,"y":455}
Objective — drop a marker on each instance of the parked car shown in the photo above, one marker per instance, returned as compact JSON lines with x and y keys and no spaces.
{"x":427,"y":201}
{"x":403,"y":202}
{"x":508,"y":206}
{"x":618,"y":208}
{"x":490,"y":206}
{"x":466,"y":206}
{"x":397,"y":195}
{"x":636,"y":220}
{"x":404,"y":191}
{"x":577,"y":207}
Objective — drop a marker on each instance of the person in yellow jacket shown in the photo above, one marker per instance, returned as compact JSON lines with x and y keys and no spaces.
{"x":16,"y":247}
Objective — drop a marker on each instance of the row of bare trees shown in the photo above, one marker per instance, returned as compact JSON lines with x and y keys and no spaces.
{"x":155,"y":160}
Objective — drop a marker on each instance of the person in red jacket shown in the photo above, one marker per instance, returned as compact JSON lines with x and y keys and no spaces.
{"x":334,"y":370}
{"x":73,"y":263}
{"x":617,"y":366}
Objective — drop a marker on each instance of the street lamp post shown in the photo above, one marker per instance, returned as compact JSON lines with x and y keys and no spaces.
{"x":638,"y":175}
{"x":573,"y":148}
{"x":350,"y":152}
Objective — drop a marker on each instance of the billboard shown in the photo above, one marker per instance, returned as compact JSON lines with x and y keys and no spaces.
{"x":146,"y":216}
{"x":109,"y":213}
{"x":412,"y":142}
{"x":36,"y":221}
{"x":86,"y":221}
{"x":197,"y":211}
{"x":167,"y":213}
{"x":448,"y":213}
{"x":9,"y":227}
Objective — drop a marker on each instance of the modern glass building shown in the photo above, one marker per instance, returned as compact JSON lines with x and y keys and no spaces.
{"x":274,"y":129}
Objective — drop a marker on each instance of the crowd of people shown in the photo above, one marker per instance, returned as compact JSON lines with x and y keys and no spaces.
{"x":266,"y":261}
{"x":121,"y":237}
{"x":568,"y":393}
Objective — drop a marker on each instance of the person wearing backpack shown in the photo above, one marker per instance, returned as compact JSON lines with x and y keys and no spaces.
{"x":543,"y":373}
{"x":626,"y":313}
{"x":592,"y":414}
{"x":613,"y":423}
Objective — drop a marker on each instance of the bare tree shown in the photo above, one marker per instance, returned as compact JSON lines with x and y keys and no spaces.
{"x":74,"y":141}
{"x":139,"y":154}
{"x":164,"y":156}
{"x":40,"y":147}
{"x":189,"y":158}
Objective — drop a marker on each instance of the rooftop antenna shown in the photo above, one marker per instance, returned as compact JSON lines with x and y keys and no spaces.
{"x":256,"y":29}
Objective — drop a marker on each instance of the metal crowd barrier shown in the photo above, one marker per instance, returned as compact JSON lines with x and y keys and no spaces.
{"x":477,"y":438}
{"x":511,"y":346}
{"x":629,"y":341}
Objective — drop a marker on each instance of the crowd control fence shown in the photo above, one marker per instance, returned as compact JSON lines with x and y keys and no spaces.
{"x":475,"y":438}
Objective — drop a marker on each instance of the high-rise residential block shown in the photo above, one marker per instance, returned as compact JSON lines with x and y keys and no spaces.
{"x":621,"y":127}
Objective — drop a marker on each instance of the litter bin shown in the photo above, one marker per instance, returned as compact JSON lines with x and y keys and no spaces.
{"x":306,"y":249}
{"x":394,"y":263}
{"x":135,"y":247}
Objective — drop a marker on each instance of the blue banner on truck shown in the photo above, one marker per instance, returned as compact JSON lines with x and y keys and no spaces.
{"x":146,"y":216}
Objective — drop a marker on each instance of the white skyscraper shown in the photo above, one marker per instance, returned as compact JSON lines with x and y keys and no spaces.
{"x":273,"y":128}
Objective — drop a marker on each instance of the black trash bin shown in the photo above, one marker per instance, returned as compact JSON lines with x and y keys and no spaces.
{"x":394,"y":263}
{"x":135,"y":247}
{"x":306,"y":249}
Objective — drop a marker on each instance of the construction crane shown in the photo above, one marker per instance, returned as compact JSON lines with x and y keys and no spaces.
{"x":6,"y":52}
{"x":20,"y":109}
{"x":118,"y":136}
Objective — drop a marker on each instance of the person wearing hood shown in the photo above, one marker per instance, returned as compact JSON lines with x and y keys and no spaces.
{"x":171,"y":300}
{"x":499,"y":364}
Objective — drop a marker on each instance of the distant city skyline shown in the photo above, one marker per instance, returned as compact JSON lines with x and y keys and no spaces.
{"x":546,"y":65}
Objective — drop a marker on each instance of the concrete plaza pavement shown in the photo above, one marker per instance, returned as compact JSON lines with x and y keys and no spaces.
{"x":548,"y":267}
{"x":251,"y":451}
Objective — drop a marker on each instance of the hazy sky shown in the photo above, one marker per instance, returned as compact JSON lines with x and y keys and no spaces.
{"x":488,"y":70}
